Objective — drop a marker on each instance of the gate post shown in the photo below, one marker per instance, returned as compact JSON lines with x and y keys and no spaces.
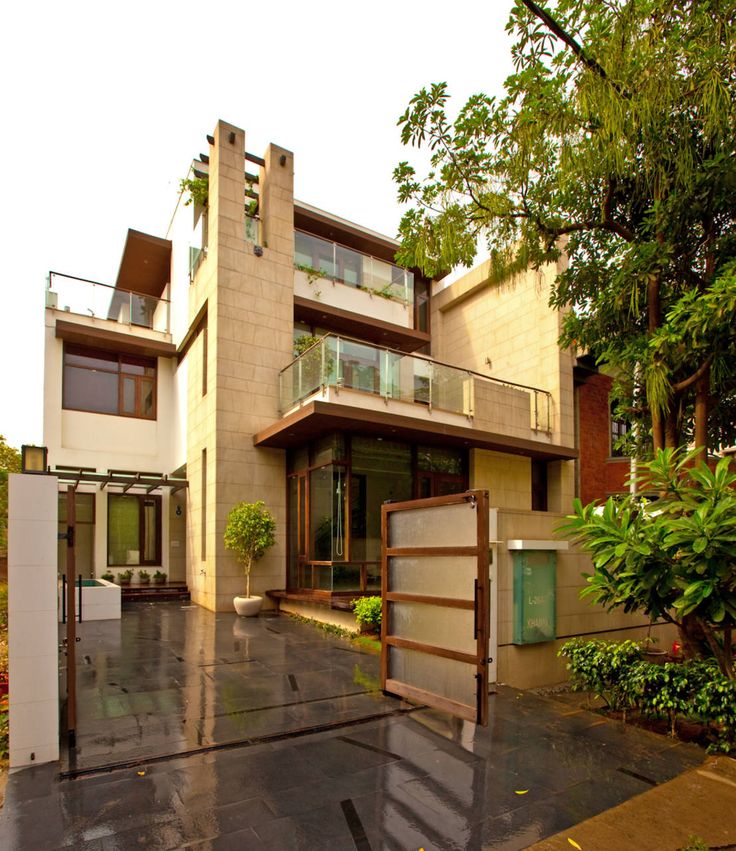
{"x":33,"y":632}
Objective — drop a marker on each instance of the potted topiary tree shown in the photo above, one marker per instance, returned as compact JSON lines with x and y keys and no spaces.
{"x":249,"y":533}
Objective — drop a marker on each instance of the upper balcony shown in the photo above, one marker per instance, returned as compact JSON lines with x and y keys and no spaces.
{"x":92,"y":299}
{"x":344,"y":383}
{"x":350,"y":280}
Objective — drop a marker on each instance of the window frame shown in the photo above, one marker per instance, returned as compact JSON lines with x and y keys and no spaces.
{"x":117,"y":361}
{"x":142,"y":500}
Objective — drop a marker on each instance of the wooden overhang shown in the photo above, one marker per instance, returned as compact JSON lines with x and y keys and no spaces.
{"x":315,"y":418}
{"x":126,"y":479}
{"x":358,"y":325}
{"x":145,"y":266}
{"x":335,"y":229}
{"x":101,"y":338}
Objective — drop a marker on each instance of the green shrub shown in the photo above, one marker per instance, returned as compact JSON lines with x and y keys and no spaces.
{"x":603,"y":668}
{"x":368,"y":612}
{"x":249,"y":532}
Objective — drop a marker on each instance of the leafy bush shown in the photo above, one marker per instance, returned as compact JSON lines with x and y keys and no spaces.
{"x":249,"y":533}
{"x":603,"y":668}
{"x":368,"y":612}
{"x":673,"y":558}
{"x":695,"y":689}
{"x":108,"y":577}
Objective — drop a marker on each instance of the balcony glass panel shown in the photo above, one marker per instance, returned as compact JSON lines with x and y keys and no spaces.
{"x":314,"y":253}
{"x":89,"y":298}
{"x":353,"y":268}
{"x":352,"y":365}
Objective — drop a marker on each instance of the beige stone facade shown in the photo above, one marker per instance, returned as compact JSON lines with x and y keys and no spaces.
{"x":480,"y":396}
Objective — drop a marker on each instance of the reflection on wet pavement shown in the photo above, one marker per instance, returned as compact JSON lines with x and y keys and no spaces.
{"x":405,"y":781}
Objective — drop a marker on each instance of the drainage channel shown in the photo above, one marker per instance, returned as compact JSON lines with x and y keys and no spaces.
{"x":300,"y":732}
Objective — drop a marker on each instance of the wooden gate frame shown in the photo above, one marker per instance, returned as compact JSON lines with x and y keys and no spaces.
{"x":480,"y":605}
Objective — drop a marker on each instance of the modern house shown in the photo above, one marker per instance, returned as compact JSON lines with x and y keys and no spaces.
{"x":265,"y":349}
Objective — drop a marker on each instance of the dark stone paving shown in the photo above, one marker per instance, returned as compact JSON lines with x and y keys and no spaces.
{"x":406,"y":781}
{"x":172,"y":679}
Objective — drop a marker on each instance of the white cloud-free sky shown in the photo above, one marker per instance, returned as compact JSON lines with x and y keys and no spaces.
{"x":105,"y":104}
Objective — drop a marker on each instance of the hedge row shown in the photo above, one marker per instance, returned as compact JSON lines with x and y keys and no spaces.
{"x":694,"y":690}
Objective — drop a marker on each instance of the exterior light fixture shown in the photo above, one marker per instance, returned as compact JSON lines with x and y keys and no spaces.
{"x":33,"y":459}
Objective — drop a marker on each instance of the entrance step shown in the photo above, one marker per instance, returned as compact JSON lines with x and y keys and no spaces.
{"x":154,"y":593}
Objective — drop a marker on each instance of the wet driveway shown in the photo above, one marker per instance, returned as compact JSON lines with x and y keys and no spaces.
{"x":172,"y":679}
{"x":298,"y":749}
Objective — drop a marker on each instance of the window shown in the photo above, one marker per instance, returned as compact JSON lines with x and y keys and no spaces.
{"x":619,"y":428}
{"x":133,"y":530}
{"x":539,"y":485}
{"x":105,"y":383}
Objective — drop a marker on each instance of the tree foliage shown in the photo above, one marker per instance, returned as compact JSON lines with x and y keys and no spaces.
{"x":672,"y":558}
{"x":615,"y":141}
{"x":9,"y":463}
{"x":249,"y":533}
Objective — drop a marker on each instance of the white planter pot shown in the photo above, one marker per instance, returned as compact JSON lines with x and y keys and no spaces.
{"x":247,"y":606}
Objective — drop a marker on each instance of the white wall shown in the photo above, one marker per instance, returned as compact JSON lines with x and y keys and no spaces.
{"x":104,"y":441}
{"x":32,"y":619}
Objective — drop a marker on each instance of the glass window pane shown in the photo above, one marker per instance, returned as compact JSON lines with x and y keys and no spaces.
{"x":346,"y":577}
{"x":96,"y":360}
{"x":441,"y":459}
{"x":90,"y":390}
{"x":381,"y":472}
{"x":327,"y":513}
{"x":147,"y":391}
{"x":350,"y":266}
{"x":323,"y":578}
{"x":129,"y":396}
{"x":123,"y":532}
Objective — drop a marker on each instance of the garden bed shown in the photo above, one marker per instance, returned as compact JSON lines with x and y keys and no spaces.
{"x":690,"y":700}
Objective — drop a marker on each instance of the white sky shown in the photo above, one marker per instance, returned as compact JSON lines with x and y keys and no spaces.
{"x":105,"y":105}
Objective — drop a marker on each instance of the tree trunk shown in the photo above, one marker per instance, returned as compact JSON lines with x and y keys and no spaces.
{"x":694,"y":640}
{"x":654,"y":320}
{"x":702,"y":393}
{"x":247,"y":576}
{"x":671,"y":436}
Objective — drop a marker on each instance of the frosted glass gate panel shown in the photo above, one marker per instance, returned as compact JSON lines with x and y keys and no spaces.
{"x":436,"y":603}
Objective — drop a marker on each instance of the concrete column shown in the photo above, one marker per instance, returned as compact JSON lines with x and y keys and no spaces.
{"x":33,"y":636}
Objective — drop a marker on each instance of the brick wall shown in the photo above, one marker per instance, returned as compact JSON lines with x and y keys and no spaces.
{"x":600,"y":474}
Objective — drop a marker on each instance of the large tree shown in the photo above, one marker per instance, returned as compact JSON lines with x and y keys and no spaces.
{"x":615,"y":142}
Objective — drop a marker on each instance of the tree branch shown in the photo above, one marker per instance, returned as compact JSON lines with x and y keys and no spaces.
{"x":698,"y":374}
{"x":565,"y":37}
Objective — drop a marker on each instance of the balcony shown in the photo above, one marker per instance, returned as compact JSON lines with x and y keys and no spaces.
{"x":101,"y":301}
{"x":350,"y":280}
{"x":344,"y":383}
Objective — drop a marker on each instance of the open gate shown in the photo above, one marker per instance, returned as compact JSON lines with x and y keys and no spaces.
{"x":436,"y":608}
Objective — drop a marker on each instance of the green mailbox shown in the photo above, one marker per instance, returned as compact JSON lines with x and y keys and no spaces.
{"x":535,"y":578}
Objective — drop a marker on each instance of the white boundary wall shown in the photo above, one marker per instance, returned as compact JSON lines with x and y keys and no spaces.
{"x":33,"y":636}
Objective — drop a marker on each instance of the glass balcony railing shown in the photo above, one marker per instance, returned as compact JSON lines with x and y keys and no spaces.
{"x":90,"y":298}
{"x":344,"y":363}
{"x":352,"y":268}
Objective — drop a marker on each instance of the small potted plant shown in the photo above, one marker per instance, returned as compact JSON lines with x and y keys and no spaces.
{"x":249,"y":533}
{"x":144,"y":577}
{"x":159,"y":577}
{"x":108,"y":577}
{"x":125,"y":577}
